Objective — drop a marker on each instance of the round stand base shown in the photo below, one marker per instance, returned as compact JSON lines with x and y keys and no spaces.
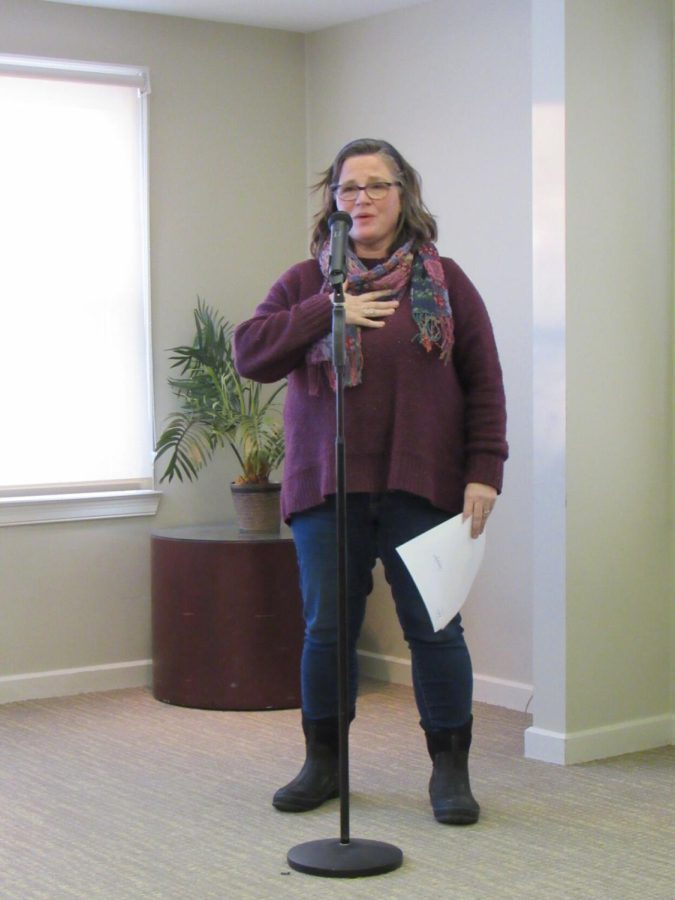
{"x":354,"y":859}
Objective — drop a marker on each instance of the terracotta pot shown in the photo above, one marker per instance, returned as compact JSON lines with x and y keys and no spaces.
{"x":257,"y":507}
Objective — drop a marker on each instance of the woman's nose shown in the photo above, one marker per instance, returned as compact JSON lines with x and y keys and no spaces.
{"x":362,"y":197}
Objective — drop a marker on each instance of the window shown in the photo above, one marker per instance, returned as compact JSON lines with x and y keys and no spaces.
{"x":75,"y":366}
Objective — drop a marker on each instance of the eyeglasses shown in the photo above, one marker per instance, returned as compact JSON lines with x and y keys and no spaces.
{"x":375,"y":190}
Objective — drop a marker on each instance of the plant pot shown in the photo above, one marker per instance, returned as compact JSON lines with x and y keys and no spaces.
{"x":257,"y":507}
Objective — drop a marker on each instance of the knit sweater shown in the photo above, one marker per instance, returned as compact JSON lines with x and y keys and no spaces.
{"x":414,"y":424}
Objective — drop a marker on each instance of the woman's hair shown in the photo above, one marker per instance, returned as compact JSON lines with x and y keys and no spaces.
{"x":415,"y":222}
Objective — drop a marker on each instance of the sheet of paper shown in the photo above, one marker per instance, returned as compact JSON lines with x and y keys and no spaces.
{"x":443,"y":563}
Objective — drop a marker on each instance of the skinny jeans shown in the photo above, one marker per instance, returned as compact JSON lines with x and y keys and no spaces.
{"x":376,"y":524}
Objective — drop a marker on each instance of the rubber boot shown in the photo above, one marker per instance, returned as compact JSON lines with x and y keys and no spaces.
{"x":318,"y":780}
{"x":449,"y":788}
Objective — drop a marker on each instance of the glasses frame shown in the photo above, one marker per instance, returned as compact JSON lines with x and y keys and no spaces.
{"x":364,"y":187}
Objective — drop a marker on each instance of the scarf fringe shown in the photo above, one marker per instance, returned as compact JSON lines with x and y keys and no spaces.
{"x":434,"y":331}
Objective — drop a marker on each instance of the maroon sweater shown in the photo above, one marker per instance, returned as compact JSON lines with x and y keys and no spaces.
{"x":413,"y":424}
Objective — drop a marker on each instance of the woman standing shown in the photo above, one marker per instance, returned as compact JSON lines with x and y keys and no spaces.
{"x":425,"y":440}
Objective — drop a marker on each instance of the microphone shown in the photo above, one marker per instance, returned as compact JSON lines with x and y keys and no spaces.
{"x":339,"y":224}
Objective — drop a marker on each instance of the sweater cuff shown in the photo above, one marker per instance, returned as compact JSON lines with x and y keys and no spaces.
{"x":315,"y":313}
{"x":485,"y":468}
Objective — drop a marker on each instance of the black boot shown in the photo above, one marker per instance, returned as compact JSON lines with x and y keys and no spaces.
{"x":449,"y":788}
{"x":317,"y":781}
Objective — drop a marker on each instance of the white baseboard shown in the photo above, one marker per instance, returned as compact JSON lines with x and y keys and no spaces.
{"x":85,"y":680}
{"x":385,"y":668}
{"x":501,"y":692}
{"x":486,"y":689}
{"x":540,"y":744}
{"x":599,"y":743}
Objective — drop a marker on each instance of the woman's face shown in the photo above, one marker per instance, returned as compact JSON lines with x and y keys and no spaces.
{"x":374,"y":221}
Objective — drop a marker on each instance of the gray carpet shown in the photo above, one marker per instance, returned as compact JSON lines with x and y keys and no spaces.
{"x":119,"y":797}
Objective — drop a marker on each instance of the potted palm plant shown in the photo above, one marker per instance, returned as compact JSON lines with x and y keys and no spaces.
{"x":219,"y":408}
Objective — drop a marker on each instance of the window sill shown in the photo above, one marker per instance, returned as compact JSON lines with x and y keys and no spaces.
{"x":77,"y":507}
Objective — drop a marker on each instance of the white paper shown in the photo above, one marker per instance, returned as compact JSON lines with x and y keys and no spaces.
{"x":443,"y":563}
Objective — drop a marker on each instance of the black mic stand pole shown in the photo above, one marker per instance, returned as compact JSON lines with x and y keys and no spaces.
{"x":346,"y":857}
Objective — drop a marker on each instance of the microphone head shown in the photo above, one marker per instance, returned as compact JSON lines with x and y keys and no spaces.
{"x":340,"y":216}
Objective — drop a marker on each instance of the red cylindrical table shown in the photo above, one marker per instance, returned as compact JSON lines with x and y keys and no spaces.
{"x":227,"y":623}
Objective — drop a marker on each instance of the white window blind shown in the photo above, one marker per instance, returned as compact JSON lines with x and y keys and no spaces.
{"x":74,"y":301}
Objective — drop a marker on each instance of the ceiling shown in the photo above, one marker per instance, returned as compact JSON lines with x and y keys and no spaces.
{"x":288,"y":15}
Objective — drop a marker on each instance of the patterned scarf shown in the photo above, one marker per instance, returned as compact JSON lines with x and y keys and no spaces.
{"x":429,"y":301}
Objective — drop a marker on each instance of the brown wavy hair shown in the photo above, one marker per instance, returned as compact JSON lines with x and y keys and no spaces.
{"x":415,"y":223}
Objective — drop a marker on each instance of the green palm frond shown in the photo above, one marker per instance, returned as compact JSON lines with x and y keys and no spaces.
{"x":189,"y":446}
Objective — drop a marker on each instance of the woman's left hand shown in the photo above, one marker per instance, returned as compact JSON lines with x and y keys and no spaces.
{"x":479,"y":501}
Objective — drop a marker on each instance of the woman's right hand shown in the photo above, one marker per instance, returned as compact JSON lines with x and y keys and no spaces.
{"x":368,"y":310}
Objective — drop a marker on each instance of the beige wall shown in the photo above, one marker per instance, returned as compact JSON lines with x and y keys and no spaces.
{"x":619,"y":356}
{"x":78,"y":594}
{"x":596,"y":573}
{"x":603,"y":673}
{"x":672,"y":388}
{"x":448,"y":83}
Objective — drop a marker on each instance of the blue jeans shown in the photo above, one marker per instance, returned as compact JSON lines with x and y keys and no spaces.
{"x":376,"y":525}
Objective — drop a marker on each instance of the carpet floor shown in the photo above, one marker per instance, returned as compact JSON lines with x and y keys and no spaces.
{"x":116,"y":796}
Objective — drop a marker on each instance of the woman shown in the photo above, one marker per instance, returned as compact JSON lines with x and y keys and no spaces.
{"x":424,"y":436}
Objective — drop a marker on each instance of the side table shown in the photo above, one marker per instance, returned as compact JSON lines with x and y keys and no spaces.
{"x":227,"y":626}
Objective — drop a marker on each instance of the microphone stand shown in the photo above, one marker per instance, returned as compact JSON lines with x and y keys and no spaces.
{"x":346,"y":857}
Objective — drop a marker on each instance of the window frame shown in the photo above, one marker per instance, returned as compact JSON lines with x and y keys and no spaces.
{"x":92,"y":500}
